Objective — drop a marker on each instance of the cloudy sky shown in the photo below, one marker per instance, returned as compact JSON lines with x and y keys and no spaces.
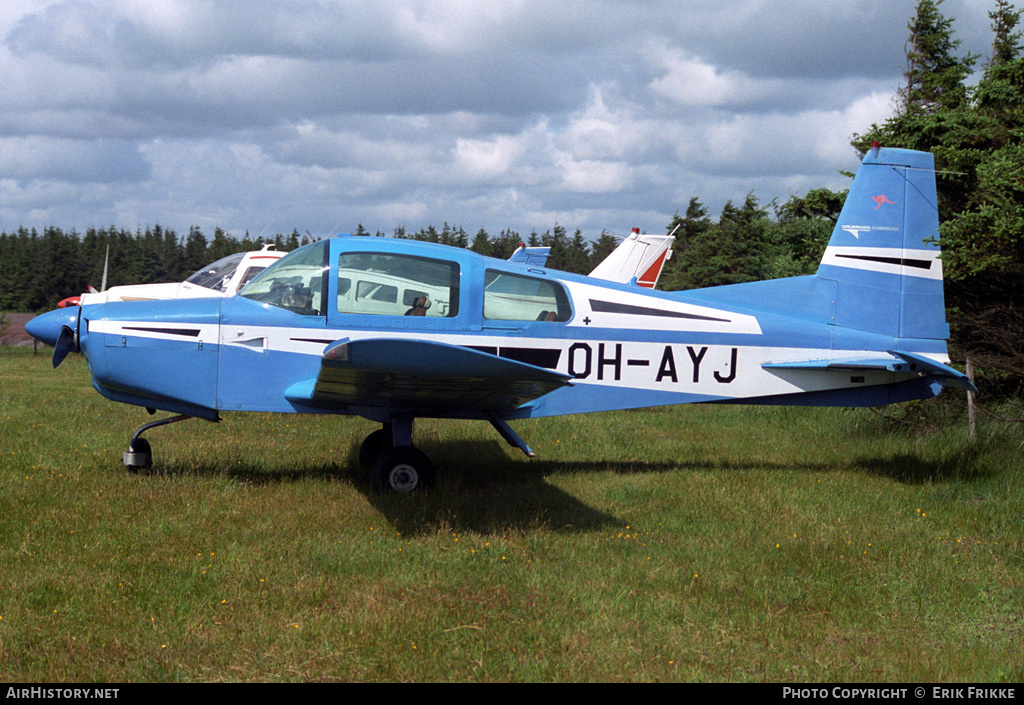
{"x":323,"y":114}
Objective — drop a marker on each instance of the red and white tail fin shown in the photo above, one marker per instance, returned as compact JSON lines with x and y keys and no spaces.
{"x":639,"y":259}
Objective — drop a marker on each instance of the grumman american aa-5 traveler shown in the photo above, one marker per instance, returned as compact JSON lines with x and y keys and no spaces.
{"x":395,"y":330}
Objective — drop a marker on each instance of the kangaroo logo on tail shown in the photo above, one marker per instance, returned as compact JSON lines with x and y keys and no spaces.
{"x":882,"y":200}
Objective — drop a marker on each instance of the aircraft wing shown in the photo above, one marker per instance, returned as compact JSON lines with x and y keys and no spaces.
{"x":900,"y":362}
{"x":423,"y":377}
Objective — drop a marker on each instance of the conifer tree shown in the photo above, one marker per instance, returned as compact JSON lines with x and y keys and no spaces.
{"x":194,"y":254}
{"x":689,"y":229}
{"x":975,"y":134}
{"x":481,"y":243}
{"x":935,"y":76}
{"x":603,"y":246}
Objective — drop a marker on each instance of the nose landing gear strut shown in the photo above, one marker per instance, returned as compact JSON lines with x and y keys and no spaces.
{"x":139,"y":454}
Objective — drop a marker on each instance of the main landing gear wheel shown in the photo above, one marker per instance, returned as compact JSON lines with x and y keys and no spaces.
{"x":139,"y":455}
{"x":372,"y":447}
{"x":401,"y":469}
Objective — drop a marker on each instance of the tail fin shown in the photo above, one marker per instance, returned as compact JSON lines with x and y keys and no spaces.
{"x":884,"y":251}
{"x":639,"y":258}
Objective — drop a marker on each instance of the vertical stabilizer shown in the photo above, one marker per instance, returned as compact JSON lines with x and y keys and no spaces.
{"x":884,"y":251}
{"x":639,"y":258}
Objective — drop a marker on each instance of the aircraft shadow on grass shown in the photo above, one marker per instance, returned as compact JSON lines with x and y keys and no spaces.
{"x":913,"y":470}
{"x":486,"y":491}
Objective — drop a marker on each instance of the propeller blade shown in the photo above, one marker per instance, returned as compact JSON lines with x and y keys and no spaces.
{"x":65,"y":344}
{"x":106,"y":261}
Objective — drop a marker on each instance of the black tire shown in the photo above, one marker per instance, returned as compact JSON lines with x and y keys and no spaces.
{"x":372,"y":446}
{"x":141,"y":446}
{"x":403,"y":469}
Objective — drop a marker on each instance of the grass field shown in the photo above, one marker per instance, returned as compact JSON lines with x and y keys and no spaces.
{"x":695,"y":543}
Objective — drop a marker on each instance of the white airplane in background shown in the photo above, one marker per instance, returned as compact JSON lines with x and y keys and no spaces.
{"x":638,"y":259}
{"x":225,"y":277}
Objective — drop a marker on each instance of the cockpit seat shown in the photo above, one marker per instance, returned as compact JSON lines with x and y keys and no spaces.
{"x":419,"y":306}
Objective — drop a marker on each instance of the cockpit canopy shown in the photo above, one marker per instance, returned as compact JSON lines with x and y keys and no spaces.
{"x":218,"y":275}
{"x":383,"y":282}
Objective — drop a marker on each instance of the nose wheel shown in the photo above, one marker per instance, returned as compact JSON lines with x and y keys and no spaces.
{"x":139,"y":454}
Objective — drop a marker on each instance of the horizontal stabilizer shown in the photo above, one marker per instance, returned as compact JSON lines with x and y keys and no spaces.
{"x":900,"y":362}
{"x":532,"y":256}
{"x":423,"y":377}
{"x":879,"y":364}
{"x":947,"y":375}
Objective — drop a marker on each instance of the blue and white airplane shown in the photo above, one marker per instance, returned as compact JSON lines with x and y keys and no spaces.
{"x":395,"y":330}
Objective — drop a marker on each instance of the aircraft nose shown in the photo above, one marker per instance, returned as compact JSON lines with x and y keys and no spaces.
{"x":46,"y":327}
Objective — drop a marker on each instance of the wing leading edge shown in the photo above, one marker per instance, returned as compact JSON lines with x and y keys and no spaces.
{"x":422,"y":377}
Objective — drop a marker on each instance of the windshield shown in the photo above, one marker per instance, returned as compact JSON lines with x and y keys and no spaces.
{"x":217,"y":275}
{"x":297,"y":281}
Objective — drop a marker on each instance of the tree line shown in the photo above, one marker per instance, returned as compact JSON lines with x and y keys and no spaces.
{"x":38,"y":269}
{"x":970,"y":117}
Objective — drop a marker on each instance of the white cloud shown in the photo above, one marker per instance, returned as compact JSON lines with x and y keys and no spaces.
{"x":593,"y":176}
{"x":602,"y":132}
{"x":835,"y":128}
{"x":168,"y":19}
{"x":690,"y":81}
{"x":489,"y":159}
{"x":486,"y":113}
{"x":454,"y":26}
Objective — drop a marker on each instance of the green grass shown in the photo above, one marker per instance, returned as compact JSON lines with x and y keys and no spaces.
{"x":696,"y":543}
